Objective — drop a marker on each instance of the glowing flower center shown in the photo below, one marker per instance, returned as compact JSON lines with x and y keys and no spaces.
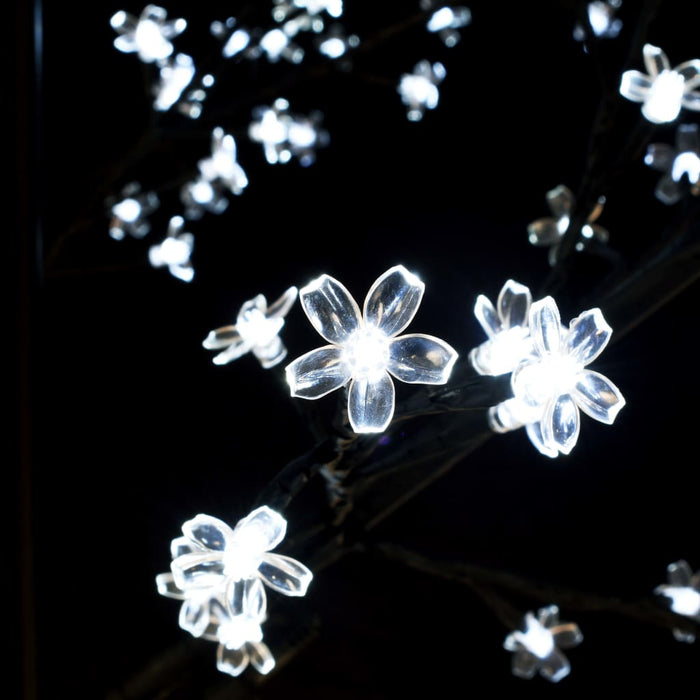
{"x":504,"y":350}
{"x":420,"y":90}
{"x":684,"y":600}
{"x":663,"y":102}
{"x":538,"y":640}
{"x":367,"y":352}
{"x":241,"y":561}
{"x":235,"y":633}
{"x":127,"y":210}
{"x":255,"y":328}
{"x":174,"y":251}
{"x":149,"y":40}
{"x":551,"y":376}
{"x":202,"y":192}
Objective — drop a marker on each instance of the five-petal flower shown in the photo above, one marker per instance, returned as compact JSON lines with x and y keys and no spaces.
{"x":662,"y":90}
{"x":552,"y":385}
{"x":683,"y":590}
{"x":366,"y":348}
{"x":680,"y":164}
{"x":419,"y":90}
{"x":256,"y":330}
{"x":128,"y":214}
{"x":537,"y":647}
{"x":174,"y":251}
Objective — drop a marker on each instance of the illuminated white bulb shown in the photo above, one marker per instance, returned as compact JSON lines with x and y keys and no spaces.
{"x":147,"y":35}
{"x":128,"y":210}
{"x":175,"y":76}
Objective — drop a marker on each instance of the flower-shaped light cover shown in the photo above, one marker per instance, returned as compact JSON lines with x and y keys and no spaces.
{"x":506,"y":326}
{"x":549,"y":230}
{"x":175,"y":73}
{"x":234,"y":39}
{"x":662,"y":90}
{"x":148,"y":35}
{"x":537,"y":648}
{"x":256,"y":330}
{"x":683,"y":590}
{"x":174,"y":251}
{"x":680,"y":164}
{"x":128,"y":214}
{"x":552,"y":385}
{"x":445,"y":21}
{"x":601,"y":20}
{"x":366,"y":347}
{"x":419,"y":90}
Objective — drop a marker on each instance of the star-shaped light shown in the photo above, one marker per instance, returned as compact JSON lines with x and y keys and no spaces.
{"x":683,"y":592}
{"x":680,"y":164}
{"x":256,"y":330}
{"x":662,"y":90}
{"x":174,"y":251}
{"x":147,"y":35}
{"x":553,"y":385}
{"x":419,"y":90}
{"x":537,"y":647}
{"x":506,"y":326}
{"x":128,"y":213}
{"x":366,"y":347}
{"x":549,"y":230}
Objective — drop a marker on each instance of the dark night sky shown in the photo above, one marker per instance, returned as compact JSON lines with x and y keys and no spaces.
{"x":127,"y":428}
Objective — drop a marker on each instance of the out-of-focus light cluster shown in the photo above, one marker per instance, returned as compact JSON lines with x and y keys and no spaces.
{"x":680,"y":165}
{"x":446,"y":21}
{"x":602,"y":22}
{"x":419,"y":90}
{"x":129,"y":212}
{"x":683,"y":592}
{"x":174,"y":251}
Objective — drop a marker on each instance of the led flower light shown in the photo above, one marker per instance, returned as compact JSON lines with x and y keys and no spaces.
{"x":552,"y":386}
{"x":683,"y":591}
{"x":446,"y":21}
{"x":537,"y":647}
{"x":148,"y":35}
{"x":235,"y":39}
{"x":222,"y":165}
{"x":285,"y":8}
{"x":601,"y":19}
{"x":175,"y":75}
{"x":366,"y":349}
{"x":214,"y":556}
{"x":128,"y":214}
{"x":549,"y":230}
{"x":663,"y":91}
{"x":680,"y":164}
{"x":419,"y":90}
{"x":506,"y":326}
{"x":256,"y":330}
{"x":174,"y":251}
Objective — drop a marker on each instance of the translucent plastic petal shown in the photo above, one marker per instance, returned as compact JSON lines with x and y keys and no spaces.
{"x":271,"y":353}
{"x":260,"y":657}
{"x":548,"y":615}
{"x":281,"y":306}
{"x":655,"y":60}
{"x":524,"y":664}
{"x":198,"y":570}
{"x":331,"y":309}
{"x":679,"y":573}
{"x":486,"y":315}
{"x":317,"y":373}
{"x":691,"y":100}
{"x":165,"y":585}
{"x":545,"y":326}
{"x":634,"y":85}
{"x":221,"y":338}
{"x":231,"y":661}
{"x":597,"y":396}
{"x":566,"y":635}
{"x":543,"y":232}
{"x":285,"y":575}
{"x":261,"y":530}
{"x":687,"y":138}
{"x":560,"y":200}
{"x":421,"y":359}
{"x":183,"y":545}
{"x":599,"y":233}
{"x":588,"y":335}
{"x":514,"y":302}
{"x":371,"y":404}
{"x":561,"y":424}
{"x":193,"y":617}
{"x":208,"y":532}
{"x":667,"y":190}
{"x":690,"y":70}
{"x":393,"y":300}
{"x":126,"y":43}
{"x":534,"y":432}
{"x":247,"y":597}
{"x":660,"y":156}
{"x":555,"y":667}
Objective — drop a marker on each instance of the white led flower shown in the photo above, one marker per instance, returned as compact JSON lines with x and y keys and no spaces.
{"x":445,"y":21}
{"x":506,"y":326}
{"x":174,"y":251}
{"x":148,"y":35}
{"x":683,"y":591}
{"x":216,"y":556}
{"x":366,"y":349}
{"x":549,"y":230}
{"x":537,"y":647}
{"x":222,"y":165}
{"x":256,"y":330}
{"x":601,"y":20}
{"x":419,"y":90}
{"x":680,"y":164}
{"x":128,"y":214}
{"x":662,"y":90}
{"x":176,"y":74}
{"x":553,"y":386}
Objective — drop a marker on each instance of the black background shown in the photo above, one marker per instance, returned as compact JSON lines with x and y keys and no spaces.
{"x":125,"y":428}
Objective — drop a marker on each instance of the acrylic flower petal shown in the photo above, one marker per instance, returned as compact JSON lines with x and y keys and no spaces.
{"x":421,"y":359}
{"x":514,"y":301}
{"x":555,"y":667}
{"x":331,"y":309}
{"x":198,"y":570}
{"x":194,"y":616}
{"x":247,"y":597}
{"x":208,"y":532}
{"x":534,"y":432}
{"x":566,"y":635}
{"x":281,"y":306}
{"x":393,"y":300}
{"x":486,"y":315}
{"x":371,"y":404}
{"x":597,"y":396}
{"x":165,"y":585}
{"x":691,"y":100}
{"x":544,"y":231}
{"x":183,"y":545}
{"x":588,"y":335}
{"x":561,"y":424}
{"x":261,"y":530}
{"x":231,"y":661}
{"x":284,"y":574}
{"x":560,"y":200}
{"x":222,"y":337}
{"x":548,"y":615}
{"x":679,"y":573}
{"x":260,"y":657}
{"x":545,"y":326}
{"x":317,"y":372}
{"x":655,"y":60}
{"x":524,"y":664}
{"x":635,"y":85}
